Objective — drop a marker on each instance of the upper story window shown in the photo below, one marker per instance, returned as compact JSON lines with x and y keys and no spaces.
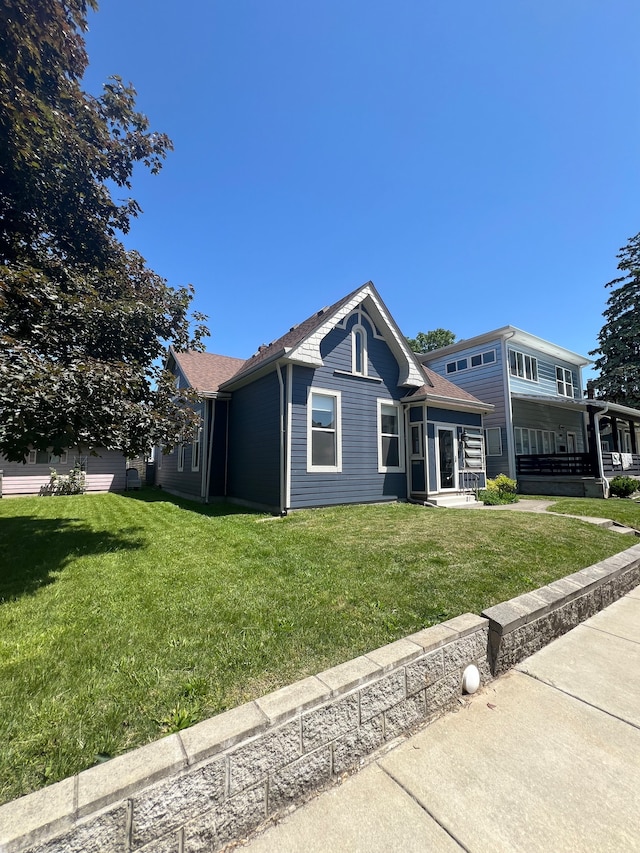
{"x":359,"y":350}
{"x":564,"y":382}
{"x":477,"y":360}
{"x":523,"y":366}
{"x":324,"y":452}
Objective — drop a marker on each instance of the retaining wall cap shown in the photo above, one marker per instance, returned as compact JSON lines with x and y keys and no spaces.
{"x":508,"y":616}
{"x":532,"y":603}
{"x":623,"y":560}
{"x":28,"y":819}
{"x":105,"y":783}
{"x":219,"y":733}
{"x":466,"y":623}
{"x":294,"y":698}
{"x":551,"y":596}
{"x":433,"y":638}
{"x":569,"y":589}
{"x":395,"y":654}
{"x":344,"y":677}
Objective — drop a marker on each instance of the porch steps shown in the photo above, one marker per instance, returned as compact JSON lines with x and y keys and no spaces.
{"x":453,"y":501}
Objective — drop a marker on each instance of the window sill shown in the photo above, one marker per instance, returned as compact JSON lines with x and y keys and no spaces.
{"x":357,"y":376}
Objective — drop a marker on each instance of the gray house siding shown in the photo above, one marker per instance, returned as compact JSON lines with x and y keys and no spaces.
{"x":218,"y":471}
{"x":534,"y":416}
{"x":487,"y":383}
{"x":185,"y":482}
{"x":254,"y":443}
{"x":105,"y":472}
{"x":359,"y":481}
{"x":546,"y":382}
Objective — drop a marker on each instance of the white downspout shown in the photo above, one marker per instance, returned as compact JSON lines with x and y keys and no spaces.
{"x":596,"y":438}
{"x":283,"y":499}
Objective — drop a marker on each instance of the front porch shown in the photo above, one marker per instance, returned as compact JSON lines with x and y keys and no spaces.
{"x":618,"y":464}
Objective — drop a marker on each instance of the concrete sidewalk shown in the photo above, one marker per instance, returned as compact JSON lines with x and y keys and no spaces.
{"x":546,"y":758}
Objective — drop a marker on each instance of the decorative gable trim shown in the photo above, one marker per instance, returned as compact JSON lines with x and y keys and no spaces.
{"x":367,"y":298}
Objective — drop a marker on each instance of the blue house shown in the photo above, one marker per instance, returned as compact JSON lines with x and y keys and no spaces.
{"x":542,"y":431}
{"x":338,"y":410}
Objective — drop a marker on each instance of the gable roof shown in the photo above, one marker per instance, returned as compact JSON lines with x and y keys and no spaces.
{"x":301,"y":344}
{"x":206,"y":371}
{"x":437,"y":389}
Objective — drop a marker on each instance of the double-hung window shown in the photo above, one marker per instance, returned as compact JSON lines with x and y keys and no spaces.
{"x":324,"y":451}
{"x":180,"y":456}
{"x":564,"y":382}
{"x":390,"y":441}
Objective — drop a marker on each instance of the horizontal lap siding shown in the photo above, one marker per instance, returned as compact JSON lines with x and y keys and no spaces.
{"x":254,"y":443}
{"x":105,"y":473}
{"x":487,"y":383}
{"x":186,"y":482}
{"x":539,"y":416}
{"x":359,"y":481}
{"x":546,"y":384}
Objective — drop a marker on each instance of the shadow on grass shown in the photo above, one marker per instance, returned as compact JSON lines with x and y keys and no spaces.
{"x":152,"y":494}
{"x":33,"y":551}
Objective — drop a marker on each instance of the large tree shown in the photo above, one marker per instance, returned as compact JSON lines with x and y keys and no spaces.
{"x":83,"y":321}
{"x":619,"y":340}
{"x":429,"y":341}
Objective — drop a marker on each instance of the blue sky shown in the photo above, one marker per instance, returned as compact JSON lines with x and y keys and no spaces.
{"x":478,"y":162}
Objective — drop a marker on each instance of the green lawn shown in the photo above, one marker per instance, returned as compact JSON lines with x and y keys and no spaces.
{"x":622,"y":510}
{"x":125,"y":617}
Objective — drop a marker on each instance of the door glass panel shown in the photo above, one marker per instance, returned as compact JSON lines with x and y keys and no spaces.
{"x":446,"y":458}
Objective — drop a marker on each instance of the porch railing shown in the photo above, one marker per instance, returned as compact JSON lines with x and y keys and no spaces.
{"x":620,"y":467}
{"x":555,"y":464}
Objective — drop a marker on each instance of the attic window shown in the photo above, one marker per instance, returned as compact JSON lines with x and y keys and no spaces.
{"x":359,"y":350}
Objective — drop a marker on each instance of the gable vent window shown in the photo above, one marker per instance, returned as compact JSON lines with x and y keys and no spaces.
{"x":564,"y":382}
{"x":359,"y":350}
{"x":523,"y":366}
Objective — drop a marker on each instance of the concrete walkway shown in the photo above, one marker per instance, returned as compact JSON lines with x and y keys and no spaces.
{"x":546,"y":758}
{"x":539,"y":505}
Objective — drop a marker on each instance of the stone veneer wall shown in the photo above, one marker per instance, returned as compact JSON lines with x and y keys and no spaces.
{"x":215,"y":782}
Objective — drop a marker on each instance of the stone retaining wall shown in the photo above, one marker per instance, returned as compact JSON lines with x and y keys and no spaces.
{"x":523,"y":625}
{"x":215,"y":782}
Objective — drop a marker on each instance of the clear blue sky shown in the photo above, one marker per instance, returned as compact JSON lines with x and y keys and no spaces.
{"x":477,"y":161}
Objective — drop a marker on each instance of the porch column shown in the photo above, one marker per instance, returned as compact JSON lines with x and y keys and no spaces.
{"x":614,"y":434}
{"x":593,"y":438}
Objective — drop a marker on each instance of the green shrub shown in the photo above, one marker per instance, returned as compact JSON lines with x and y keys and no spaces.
{"x":73,"y":484}
{"x":500,"y":490}
{"x":623,"y":487}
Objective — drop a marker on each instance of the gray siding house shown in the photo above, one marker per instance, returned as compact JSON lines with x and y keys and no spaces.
{"x":338,"y":410}
{"x":105,"y":471}
{"x":542,"y":430}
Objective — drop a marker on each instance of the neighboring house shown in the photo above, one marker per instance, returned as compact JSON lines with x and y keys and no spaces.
{"x":542,"y":430}
{"x":105,"y":472}
{"x":338,"y":410}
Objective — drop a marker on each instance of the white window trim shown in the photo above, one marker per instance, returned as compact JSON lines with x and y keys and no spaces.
{"x":488,"y":443}
{"x":64,"y":458}
{"x":468,"y":357}
{"x":196,"y":450}
{"x":326,"y":469}
{"x":533,"y":361}
{"x":568,"y":386}
{"x":180,"y":461}
{"x":391,"y":469}
{"x":359,"y":329}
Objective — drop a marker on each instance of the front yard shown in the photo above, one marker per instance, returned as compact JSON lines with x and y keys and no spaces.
{"x":126,"y":617}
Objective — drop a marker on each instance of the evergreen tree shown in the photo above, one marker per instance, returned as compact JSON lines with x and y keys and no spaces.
{"x":619,"y":339}
{"x":83,"y":321}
